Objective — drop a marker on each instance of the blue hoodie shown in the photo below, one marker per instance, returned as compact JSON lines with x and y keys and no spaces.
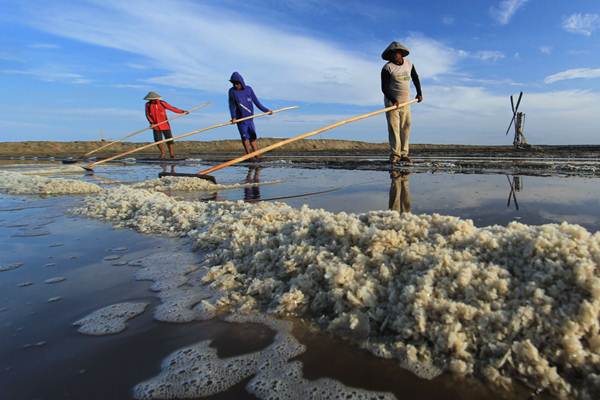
{"x":241,"y":101}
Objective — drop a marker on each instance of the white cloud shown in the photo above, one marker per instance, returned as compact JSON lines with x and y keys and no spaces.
{"x":195,"y":53}
{"x":49,"y":74}
{"x":583,"y":24}
{"x":505,"y":10}
{"x":484,"y":116}
{"x":431,"y":57}
{"x":576,"y":73}
{"x":546,"y":50}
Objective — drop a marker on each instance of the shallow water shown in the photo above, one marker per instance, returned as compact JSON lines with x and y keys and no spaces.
{"x":36,"y":232}
{"x":486,"y":198}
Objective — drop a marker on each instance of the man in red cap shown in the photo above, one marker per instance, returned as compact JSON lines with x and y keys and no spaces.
{"x":156,"y":113}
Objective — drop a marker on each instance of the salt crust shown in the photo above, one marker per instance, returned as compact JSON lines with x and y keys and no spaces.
{"x":56,"y":279}
{"x":18,"y":183}
{"x":197,"y":371}
{"x":188,"y":184}
{"x":109,"y":320}
{"x":11,"y":266}
{"x":499,"y":302}
{"x":51,"y":170}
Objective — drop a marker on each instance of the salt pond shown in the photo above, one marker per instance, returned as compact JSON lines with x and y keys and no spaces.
{"x":92,"y":284}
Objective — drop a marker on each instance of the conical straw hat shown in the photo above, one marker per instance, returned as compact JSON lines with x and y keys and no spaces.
{"x":395,"y":46}
{"x":152,"y":96}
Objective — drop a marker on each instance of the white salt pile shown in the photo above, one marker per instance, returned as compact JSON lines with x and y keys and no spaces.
{"x":189,"y":184}
{"x":17,"y":183}
{"x":499,"y":302}
{"x":110,"y":320}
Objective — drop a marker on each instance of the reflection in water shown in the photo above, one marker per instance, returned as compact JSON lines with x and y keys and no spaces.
{"x":399,"y":192}
{"x":253,"y":177}
{"x":515,"y":186}
{"x":165,"y":167}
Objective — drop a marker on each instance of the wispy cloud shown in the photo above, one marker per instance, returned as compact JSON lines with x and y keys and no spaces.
{"x":10,"y":57}
{"x":505,"y":10}
{"x":49,"y":74}
{"x":138,"y":66}
{"x":481,"y":81}
{"x":583,"y":24}
{"x":129,"y":86}
{"x":546,"y":50}
{"x":448,"y":20}
{"x":46,"y":46}
{"x":488,"y":55}
{"x":576,"y":73}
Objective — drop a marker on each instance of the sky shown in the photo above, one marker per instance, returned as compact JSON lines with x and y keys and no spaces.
{"x":78,"y":70}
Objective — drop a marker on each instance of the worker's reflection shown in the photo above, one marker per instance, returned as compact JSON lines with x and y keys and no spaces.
{"x":168,"y":167}
{"x":399,"y":192}
{"x":252,"y":193}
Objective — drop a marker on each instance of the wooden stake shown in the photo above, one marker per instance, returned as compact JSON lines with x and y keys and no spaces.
{"x":302,"y":136}
{"x":143,"y":130}
{"x":90,"y":167}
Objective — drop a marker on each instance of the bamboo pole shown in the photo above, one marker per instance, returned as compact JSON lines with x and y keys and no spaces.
{"x":143,"y":130}
{"x":90,"y":166}
{"x":302,"y":136}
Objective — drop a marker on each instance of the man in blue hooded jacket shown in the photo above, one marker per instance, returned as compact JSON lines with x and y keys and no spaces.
{"x":241,"y":100}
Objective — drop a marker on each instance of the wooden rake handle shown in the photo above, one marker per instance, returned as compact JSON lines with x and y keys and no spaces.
{"x":303,"y":136}
{"x":199,"y":106}
{"x":89,"y":167}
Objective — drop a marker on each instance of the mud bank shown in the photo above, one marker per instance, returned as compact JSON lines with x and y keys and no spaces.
{"x":308,"y":146}
{"x":501,"y":303}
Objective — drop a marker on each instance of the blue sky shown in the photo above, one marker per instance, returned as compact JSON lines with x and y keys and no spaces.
{"x":77,"y":70}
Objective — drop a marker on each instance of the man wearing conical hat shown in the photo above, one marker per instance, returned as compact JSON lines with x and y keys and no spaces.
{"x":395,"y":85}
{"x":156,"y":113}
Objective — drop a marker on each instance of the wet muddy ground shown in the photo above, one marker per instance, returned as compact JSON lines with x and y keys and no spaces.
{"x":43,"y":357}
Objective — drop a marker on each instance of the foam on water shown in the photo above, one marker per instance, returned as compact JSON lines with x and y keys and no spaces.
{"x":170,"y":273}
{"x":110,"y":320}
{"x":500,"y":302}
{"x":285,"y":382}
{"x":197,"y":371}
{"x":20,"y":183}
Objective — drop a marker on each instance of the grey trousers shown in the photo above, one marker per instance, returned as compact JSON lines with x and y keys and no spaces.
{"x":399,"y":130}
